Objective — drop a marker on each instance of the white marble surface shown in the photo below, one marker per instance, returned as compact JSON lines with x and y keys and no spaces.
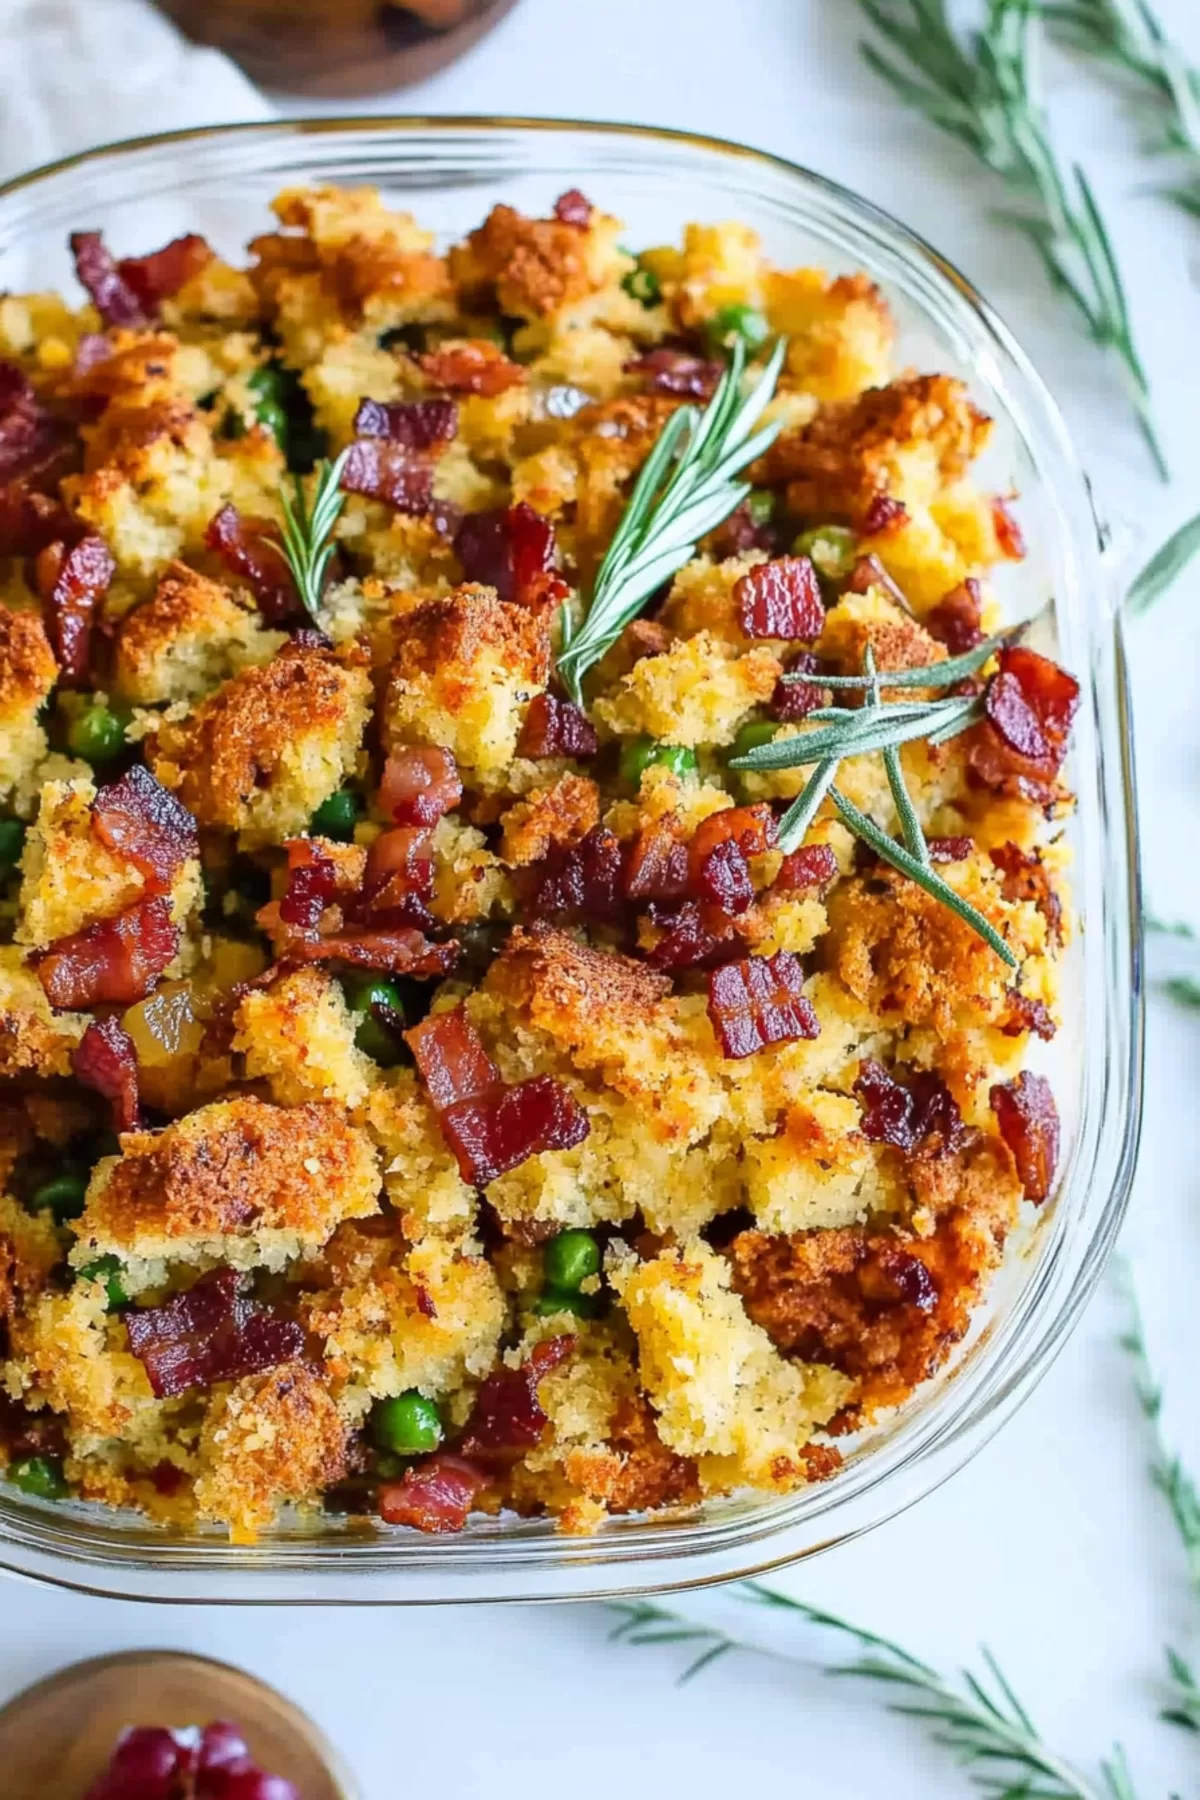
{"x":1051,"y":1546}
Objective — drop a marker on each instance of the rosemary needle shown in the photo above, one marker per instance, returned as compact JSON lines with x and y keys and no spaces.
{"x":308,"y":529}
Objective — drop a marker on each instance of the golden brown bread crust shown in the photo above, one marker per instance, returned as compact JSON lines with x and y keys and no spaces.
{"x":569,"y":989}
{"x":27,"y":667}
{"x":186,"y":607}
{"x":560,"y":814}
{"x":532,"y":267}
{"x":270,"y":1439}
{"x":636,"y":1472}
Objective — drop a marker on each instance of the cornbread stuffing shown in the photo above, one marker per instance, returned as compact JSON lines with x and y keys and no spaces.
{"x":425,"y":1094}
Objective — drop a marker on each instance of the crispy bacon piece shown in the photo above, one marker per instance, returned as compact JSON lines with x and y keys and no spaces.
{"x":950,"y":849}
{"x":369,"y":929}
{"x":781,"y":599}
{"x":29,"y":521}
{"x":794,"y":700}
{"x":1028,"y":1121}
{"x":397,"y":883}
{"x":112,"y":961}
{"x":694,"y":936}
{"x":114,"y":297}
{"x":311,"y":887}
{"x":402,"y":950}
{"x":156,"y":277}
{"x":739,"y":533}
{"x":1030,"y":705}
{"x":512,"y":550}
{"x":957,"y":621}
{"x":1026,"y":878}
{"x":72,"y":583}
{"x":136,"y":817}
{"x":390,"y":472}
{"x":760,"y":1000}
{"x":678,"y":372}
{"x":719,"y":853}
{"x":812,"y":866}
{"x":507,"y":1418}
{"x":1009,"y":535}
{"x":250,"y":548}
{"x":491,"y":1128}
{"x":554,"y":727}
{"x":883,"y":515}
{"x":1025,"y":1014}
{"x":213,"y":1332}
{"x":436,"y":1495}
{"x":414,"y":424}
{"x":580,"y":881}
{"x":105,"y":1059}
{"x":475,"y":366}
{"x":35,"y":448}
{"x":420,"y":785}
{"x":921,"y":1112}
{"x":656,"y":867}
{"x":573,"y":208}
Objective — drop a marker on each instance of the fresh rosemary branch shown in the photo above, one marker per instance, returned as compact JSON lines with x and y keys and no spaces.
{"x":308,"y":529}
{"x":1164,"y":568}
{"x":1184,"y":988}
{"x":686,"y":488}
{"x":983,"y":1724}
{"x":1127,"y":34}
{"x":980,"y":88}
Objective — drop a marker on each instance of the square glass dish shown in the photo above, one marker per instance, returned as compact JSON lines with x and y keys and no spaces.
{"x":448,"y":172}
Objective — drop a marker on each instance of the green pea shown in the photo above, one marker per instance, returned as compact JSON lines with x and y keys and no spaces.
{"x":409,"y":1425}
{"x":760,"y":504}
{"x":642,"y":753}
{"x":337,"y":816}
{"x":560,"y":1300}
{"x":643,"y":285}
{"x":832,"y":549}
{"x":372,"y":1036}
{"x":733,"y":322}
{"x":63,"y":1196}
{"x":41,"y":1476}
{"x":12,"y":842}
{"x":753,"y":733}
{"x":97,"y":734}
{"x":569,"y":1258}
{"x":270,"y":386}
{"x":108,"y":1270}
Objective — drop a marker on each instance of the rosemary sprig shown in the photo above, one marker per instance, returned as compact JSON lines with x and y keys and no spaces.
{"x":906,"y":812}
{"x":983,"y":1724}
{"x":1127,"y":34}
{"x":686,"y":488}
{"x":1164,"y":568}
{"x":980,"y":88}
{"x":308,"y":529}
{"x":931,"y":675}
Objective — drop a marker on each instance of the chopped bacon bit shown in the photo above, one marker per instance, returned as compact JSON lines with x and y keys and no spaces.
{"x":781,"y":599}
{"x":34,"y":447}
{"x":794,"y":700}
{"x":739,"y":533}
{"x":1009,"y":535}
{"x":29,"y":521}
{"x":1030,"y":705}
{"x":105,"y":1059}
{"x":420,"y":785}
{"x":583,"y":880}
{"x":950,"y":849}
{"x":555,"y":727}
{"x":812,"y":866}
{"x":72,"y":584}
{"x":397,"y":882}
{"x":573,"y":208}
{"x":678,"y":372}
{"x":311,"y":887}
{"x":507,"y":1419}
{"x":114,"y":961}
{"x":895,"y":1277}
{"x":115,"y":298}
{"x":657,"y":865}
{"x":402,"y":950}
{"x":693,"y":936}
{"x":759,"y":1001}
{"x":723,"y":878}
{"x":474,"y":367}
{"x":250,"y":548}
{"x":923,"y":1113}
{"x":644,"y":637}
{"x":213,"y":1332}
{"x":391,"y":472}
{"x":436,"y":1495}
{"x":160,"y":275}
{"x":491,"y":1128}
{"x":957,"y":621}
{"x":136,"y":817}
{"x":1028,"y":1121}
{"x":718,"y":868}
{"x":375,"y":929}
{"x":512,"y":550}
{"x":415,"y":424}
{"x":1027,"y":1015}
{"x":1026,"y":878}
{"x":884,"y":516}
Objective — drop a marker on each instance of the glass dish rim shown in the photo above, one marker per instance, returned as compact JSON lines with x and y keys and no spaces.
{"x":941,"y":1452}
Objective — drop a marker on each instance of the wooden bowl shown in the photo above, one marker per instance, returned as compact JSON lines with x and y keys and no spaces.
{"x":355,"y":47}
{"x":56,"y":1738}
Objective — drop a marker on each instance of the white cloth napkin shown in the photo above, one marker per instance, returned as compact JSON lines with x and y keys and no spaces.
{"x":75,"y":73}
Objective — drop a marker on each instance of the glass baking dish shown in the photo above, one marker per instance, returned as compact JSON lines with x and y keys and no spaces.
{"x":449,"y":171}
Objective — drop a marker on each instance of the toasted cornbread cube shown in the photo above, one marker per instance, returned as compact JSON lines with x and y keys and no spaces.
{"x":261,"y":754}
{"x":70,"y":1353}
{"x":719,"y":265}
{"x":537,"y":269}
{"x":697,"y":692}
{"x":241,"y":1180}
{"x":840,"y":333}
{"x":702,"y":598}
{"x":464,"y":671}
{"x":297,"y":1034}
{"x":420,"y":1175}
{"x":557,"y":815}
{"x":34,"y":1039}
{"x":268,"y":1440}
{"x":30,"y":1246}
{"x":897,"y":641}
{"x":189,"y":637}
{"x":28,"y":672}
{"x":814,"y":1172}
{"x":719,"y":1386}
